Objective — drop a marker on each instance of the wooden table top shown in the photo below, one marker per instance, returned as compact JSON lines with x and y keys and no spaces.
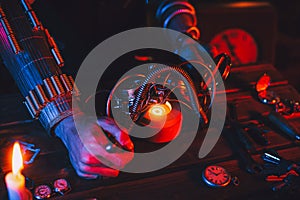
{"x":180,"y":180}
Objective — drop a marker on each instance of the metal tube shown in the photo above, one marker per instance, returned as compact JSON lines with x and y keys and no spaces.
{"x":50,"y":88}
{"x":41,"y":94}
{"x":54,"y":49}
{"x":34,"y":20}
{"x":57,"y":85}
{"x":9,"y":33}
{"x":35,"y":100}
{"x":66,"y":82}
{"x":30,"y":107}
{"x":57,"y":56}
{"x":32,"y":16}
{"x":75,"y":89}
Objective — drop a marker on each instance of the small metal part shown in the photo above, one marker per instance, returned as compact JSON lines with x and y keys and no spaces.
{"x":41,"y":94}
{"x":110,"y":148}
{"x":223,"y":65}
{"x":57,"y":85}
{"x":33,"y":112}
{"x":277,"y":165}
{"x":9,"y":33}
{"x":57,"y":56}
{"x":275,"y":178}
{"x":66,"y":82}
{"x":26,"y":5}
{"x":35,"y":100}
{"x":51,"y":41}
{"x":235,"y":181}
{"x":265,"y":96}
{"x":42,"y":192}
{"x":34,"y":20}
{"x":14,"y":44}
{"x":54,"y":49}
{"x":194,"y":32}
{"x":290,"y":106}
{"x":61,"y":186}
{"x":287,"y":181}
{"x":263,"y":83}
{"x":75,"y":89}
{"x":267,"y":157}
{"x":29,"y":183}
{"x":278,"y":187}
{"x":29,"y":147}
{"x":268,"y":97}
{"x":50,"y":88}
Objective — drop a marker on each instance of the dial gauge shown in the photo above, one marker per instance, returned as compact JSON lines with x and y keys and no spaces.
{"x":216,"y":176}
{"x":238,"y":44}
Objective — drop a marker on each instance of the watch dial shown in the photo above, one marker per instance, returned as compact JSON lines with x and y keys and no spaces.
{"x":237,"y":43}
{"x":216,"y":176}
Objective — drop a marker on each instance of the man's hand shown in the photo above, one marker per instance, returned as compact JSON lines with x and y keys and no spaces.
{"x":86,"y":164}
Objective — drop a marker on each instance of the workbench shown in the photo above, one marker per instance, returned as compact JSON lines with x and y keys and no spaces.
{"x":180,"y":180}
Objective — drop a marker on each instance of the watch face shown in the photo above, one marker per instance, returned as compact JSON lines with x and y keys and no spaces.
{"x":238,"y":44}
{"x":216,"y":176}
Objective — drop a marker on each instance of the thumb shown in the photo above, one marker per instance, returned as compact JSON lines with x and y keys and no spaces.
{"x":109,"y":126}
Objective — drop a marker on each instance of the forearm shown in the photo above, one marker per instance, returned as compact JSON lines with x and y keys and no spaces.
{"x":33,"y":59}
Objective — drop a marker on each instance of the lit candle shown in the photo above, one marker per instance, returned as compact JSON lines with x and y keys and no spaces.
{"x":15,"y":181}
{"x":159,"y":111}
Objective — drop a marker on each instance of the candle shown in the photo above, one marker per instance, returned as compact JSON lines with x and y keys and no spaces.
{"x":15,"y":181}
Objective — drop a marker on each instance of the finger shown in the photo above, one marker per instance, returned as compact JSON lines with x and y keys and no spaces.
{"x":94,"y":140}
{"x":87,"y":176}
{"x":94,"y":152}
{"x":92,"y":171}
{"x":108,"y":125}
{"x":80,"y":173}
{"x":89,"y":159}
{"x":120,"y":159}
{"x":116,"y":160}
{"x":100,"y":170}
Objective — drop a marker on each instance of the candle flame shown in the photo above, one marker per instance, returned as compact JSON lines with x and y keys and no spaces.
{"x":17,"y":160}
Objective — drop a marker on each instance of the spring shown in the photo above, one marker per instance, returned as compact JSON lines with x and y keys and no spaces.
{"x":187,"y":81}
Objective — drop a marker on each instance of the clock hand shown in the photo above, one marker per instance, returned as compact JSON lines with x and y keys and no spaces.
{"x":212,"y":172}
{"x":231,"y":48}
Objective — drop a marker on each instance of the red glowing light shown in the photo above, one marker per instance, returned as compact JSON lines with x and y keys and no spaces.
{"x":160,"y":109}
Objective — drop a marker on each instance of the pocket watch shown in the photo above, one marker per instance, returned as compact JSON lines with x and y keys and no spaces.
{"x":217,"y":176}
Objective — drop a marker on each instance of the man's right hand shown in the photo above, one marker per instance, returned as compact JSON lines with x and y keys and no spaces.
{"x":84,"y":162}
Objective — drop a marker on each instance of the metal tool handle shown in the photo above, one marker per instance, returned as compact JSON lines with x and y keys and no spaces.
{"x":281,"y":123}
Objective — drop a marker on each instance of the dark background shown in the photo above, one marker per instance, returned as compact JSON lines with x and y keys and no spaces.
{"x":81,"y":25}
